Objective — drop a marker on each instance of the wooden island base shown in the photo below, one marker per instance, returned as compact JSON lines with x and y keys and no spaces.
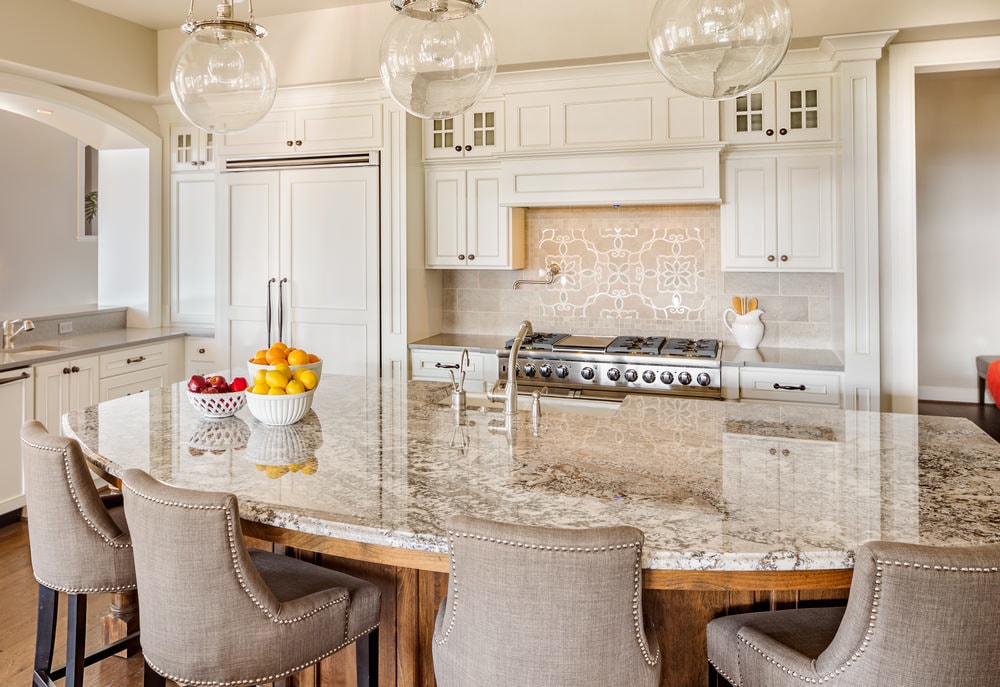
{"x":413,"y":584}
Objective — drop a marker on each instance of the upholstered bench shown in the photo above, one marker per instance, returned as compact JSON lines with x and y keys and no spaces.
{"x":982,"y":365}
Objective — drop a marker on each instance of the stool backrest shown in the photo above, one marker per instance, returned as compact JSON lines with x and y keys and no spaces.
{"x":76,"y":545}
{"x":203,"y":602}
{"x":543,"y":606}
{"x":919,"y":615}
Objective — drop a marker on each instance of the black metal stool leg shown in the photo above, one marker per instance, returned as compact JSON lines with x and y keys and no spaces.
{"x":366,"y":657}
{"x":45,"y":633}
{"x":76,"y":639}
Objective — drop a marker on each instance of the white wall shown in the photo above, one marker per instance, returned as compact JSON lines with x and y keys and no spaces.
{"x":43,"y":266}
{"x":958,"y":229}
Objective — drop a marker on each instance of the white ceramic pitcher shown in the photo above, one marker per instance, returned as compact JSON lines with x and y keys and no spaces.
{"x":747,"y":329}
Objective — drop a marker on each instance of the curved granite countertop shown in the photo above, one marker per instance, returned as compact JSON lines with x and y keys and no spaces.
{"x":714,"y":485}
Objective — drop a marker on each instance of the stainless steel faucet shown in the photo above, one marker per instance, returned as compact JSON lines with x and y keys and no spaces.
{"x":510,"y":390}
{"x":9,"y":333}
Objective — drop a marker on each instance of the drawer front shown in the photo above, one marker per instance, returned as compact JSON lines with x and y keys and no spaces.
{"x":132,"y":359}
{"x":795,"y":386}
{"x":201,"y":349}
{"x":133,"y":383}
{"x":430,"y":365}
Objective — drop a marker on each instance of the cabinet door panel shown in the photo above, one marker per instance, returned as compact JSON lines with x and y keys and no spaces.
{"x":248,"y":210}
{"x":487,"y":227}
{"x":16,"y":404}
{"x":749,"y":214}
{"x":193,"y":249}
{"x":446,"y":218}
{"x":269,"y":135}
{"x":805,"y":226}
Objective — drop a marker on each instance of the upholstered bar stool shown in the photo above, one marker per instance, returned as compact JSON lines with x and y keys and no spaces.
{"x":216,"y":613}
{"x":538,"y":606}
{"x":915,"y":615}
{"x":79,"y":545}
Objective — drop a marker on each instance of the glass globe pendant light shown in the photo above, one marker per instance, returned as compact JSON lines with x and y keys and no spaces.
{"x":223,"y":81}
{"x":718,"y":49}
{"x":437,"y":56}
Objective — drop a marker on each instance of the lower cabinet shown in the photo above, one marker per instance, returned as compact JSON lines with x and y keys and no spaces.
{"x":133,"y":370}
{"x":63,"y":386}
{"x":16,"y":406}
{"x":791,"y":386}
{"x":200,"y":356}
{"x":437,"y":364}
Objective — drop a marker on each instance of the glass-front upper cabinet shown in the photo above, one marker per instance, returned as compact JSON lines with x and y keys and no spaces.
{"x":784,"y":110}
{"x":477,"y":133}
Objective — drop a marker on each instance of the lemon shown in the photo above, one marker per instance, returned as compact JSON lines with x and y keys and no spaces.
{"x":283,"y":368}
{"x":276,"y":379}
{"x":295,"y":387}
{"x":307,"y":377}
{"x":260,"y":377}
{"x":276,"y":391}
{"x":261,"y":388}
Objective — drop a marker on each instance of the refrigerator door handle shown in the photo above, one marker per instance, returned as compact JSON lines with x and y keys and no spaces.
{"x":281,"y":309}
{"x":268,"y":311}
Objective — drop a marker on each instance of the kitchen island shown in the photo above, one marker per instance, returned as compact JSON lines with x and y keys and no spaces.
{"x":743,"y":505}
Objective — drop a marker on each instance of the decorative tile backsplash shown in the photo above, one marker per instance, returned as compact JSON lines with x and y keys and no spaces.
{"x":635,"y":270}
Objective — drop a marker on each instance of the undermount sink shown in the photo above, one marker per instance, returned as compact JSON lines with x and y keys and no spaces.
{"x":38,"y":349}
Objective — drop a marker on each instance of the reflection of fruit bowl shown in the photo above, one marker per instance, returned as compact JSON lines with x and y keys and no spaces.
{"x":316,"y":367}
{"x":218,"y":435}
{"x":283,"y":409}
{"x":279,"y":450}
{"x":217,"y":405}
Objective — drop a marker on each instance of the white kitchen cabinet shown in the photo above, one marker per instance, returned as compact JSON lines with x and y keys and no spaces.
{"x":131,"y":370}
{"x":778,"y":213}
{"x":16,"y":407}
{"x":65,"y":385}
{"x":192,"y":248}
{"x":434,"y":364}
{"x":191,"y":149}
{"x":200,"y":357}
{"x":466,"y":225}
{"x":300,"y":263}
{"x":607,"y":116}
{"x":476,"y":133}
{"x":782,"y":110}
{"x":354,"y":127}
{"x":791,"y":385}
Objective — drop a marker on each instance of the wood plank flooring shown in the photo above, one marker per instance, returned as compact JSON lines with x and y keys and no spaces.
{"x":986,"y":416}
{"x":17,"y":622}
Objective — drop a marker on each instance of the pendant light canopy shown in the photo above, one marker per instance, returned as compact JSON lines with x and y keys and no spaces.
{"x":223,"y":80}
{"x":437,"y":56}
{"x":718,"y":49}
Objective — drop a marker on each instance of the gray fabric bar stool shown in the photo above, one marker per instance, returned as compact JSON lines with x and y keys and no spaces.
{"x":538,"y":606}
{"x":79,"y":545}
{"x":916,"y":615}
{"x":217,"y":613}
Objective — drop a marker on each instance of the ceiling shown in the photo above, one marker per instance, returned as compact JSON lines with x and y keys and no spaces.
{"x":165,"y":14}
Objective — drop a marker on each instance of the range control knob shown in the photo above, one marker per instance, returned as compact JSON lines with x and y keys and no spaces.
{"x":631,"y":375}
{"x":529,"y":370}
{"x":545,"y":370}
{"x":614,"y":374}
{"x":587,"y":373}
{"x":562,"y":371}
{"x":667,"y":377}
{"x":649,"y":376}
{"x":684,"y":378}
{"x":704,"y":379}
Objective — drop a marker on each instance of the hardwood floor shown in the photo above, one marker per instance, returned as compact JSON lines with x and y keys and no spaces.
{"x":986,"y":416}
{"x":17,"y":622}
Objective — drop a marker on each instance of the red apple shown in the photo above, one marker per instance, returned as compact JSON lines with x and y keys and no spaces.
{"x":197,"y":384}
{"x":215,"y":380}
{"x":238,"y":384}
{"x":210,"y":390}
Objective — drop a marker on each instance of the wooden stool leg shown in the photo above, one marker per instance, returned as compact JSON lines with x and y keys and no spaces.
{"x":45,"y":632}
{"x":76,"y":639}
{"x":366,"y":656}
{"x":121,"y":620}
{"x":151,"y":678}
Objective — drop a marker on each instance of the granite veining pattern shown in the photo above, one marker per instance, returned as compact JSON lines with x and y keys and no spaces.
{"x":714,"y":485}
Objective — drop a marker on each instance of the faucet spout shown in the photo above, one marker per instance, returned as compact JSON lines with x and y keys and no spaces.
{"x":510,"y":389}
{"x":10,"y":333}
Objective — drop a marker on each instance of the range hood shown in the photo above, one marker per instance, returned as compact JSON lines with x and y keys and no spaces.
{"x":663,"y":177}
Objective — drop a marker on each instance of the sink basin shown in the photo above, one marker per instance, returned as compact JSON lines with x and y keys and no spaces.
{"x":38,"y":349}
{"x":475,"y":401}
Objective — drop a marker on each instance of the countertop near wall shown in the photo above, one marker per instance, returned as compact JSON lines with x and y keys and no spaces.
{"x":791,"y":358}
{"x":91,"y":343}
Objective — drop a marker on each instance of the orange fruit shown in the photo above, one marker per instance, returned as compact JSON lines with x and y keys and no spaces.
{"x":275,"y":355}
{"x":297,"y":356}
{"x":261,"y":353}
{"x":313,"y":358}
{"x":280,"y":344}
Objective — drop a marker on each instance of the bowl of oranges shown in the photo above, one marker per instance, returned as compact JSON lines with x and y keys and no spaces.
{"x":281,"y":354}
{"x":279,"y":394}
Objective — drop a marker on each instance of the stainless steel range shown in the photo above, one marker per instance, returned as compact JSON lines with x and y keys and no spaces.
{"x":609,"y":366}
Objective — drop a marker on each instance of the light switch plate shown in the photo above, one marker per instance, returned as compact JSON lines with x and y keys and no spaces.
{"x":65,"y":327}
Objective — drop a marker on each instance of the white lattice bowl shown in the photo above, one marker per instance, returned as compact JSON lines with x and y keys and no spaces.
{"x":283,"y":409}
{"x":217,"y":405}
